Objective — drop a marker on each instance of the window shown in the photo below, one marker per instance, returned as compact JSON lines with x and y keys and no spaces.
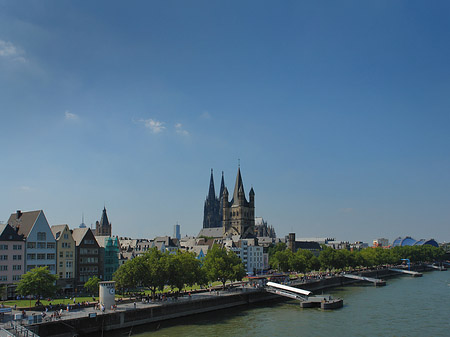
{"x":17,"y":257}
{"x":41,"y":236}
{"x":66,"y":236}
{"x":61,"y":264}
{"x":17,"y":247}
{"x":31,"y":256}
{"x":3,"y":247}
{"x":61,"y":254}
{"x":3,"y":278}
{"x":31,"y":245}
{"x":17,"y":277}
{"x":3,"y":268}
{"x":17,"y":267}
{"x":41,"y":256}
{"x":51,"y":267}
{"x":3,"y":257}
{"x":41,"y":245}
{"x":68,"y":274}
{"x":60,"y":275}
{"x":50,"y":256}
{"x":51,"y":245}
{"x":69,"y":264}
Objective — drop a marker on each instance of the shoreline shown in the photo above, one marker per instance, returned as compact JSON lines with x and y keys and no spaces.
{"x":201,"y":303}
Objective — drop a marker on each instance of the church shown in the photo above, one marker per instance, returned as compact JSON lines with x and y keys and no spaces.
{"x":236,"y":217}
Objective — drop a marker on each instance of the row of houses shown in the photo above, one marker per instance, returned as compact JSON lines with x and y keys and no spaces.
{"x":28,"y":241}
{"x":75,"y":255}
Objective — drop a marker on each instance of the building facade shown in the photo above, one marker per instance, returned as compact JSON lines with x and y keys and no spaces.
{"x":40,"y":249}
{"x":65,"y":257}
{"x":87,"y":256}
{"x":109,"y":251}
{"x":12,"y":250}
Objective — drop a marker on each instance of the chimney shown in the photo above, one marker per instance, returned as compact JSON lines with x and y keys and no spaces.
{"x":18,"y":213}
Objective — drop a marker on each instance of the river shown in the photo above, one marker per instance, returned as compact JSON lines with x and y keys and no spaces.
{"x":407,"y":306}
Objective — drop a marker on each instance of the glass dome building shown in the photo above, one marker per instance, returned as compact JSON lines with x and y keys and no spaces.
{"x":409,"y":241}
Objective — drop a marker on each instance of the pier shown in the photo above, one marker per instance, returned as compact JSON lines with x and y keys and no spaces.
{"x":306,"y":301}
{"x":440,"y":268}
{"x":404,"y":271}
{"x":375,"y":281}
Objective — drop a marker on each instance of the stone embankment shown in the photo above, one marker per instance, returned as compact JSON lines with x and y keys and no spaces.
{"x":198,"y":304}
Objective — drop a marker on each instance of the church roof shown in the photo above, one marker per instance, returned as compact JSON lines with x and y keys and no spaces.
{"x":104,"y":221}
{"x":216,"y":232}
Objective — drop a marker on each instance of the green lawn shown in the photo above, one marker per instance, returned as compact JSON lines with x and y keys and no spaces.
{"x":26,"y":303}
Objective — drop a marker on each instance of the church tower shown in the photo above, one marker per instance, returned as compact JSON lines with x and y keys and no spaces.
{"x":239,"y":214}
{"x":211,"y":217}
{"x":103,"y":228}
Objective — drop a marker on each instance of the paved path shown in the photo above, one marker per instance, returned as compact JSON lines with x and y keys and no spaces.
{"x":84,"y":312}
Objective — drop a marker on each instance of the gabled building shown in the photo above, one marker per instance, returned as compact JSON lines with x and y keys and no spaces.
{"x":65,"y":257}
{"x":40,"y":243}
{"x":12,"y":251}
{"x":87,"y":256}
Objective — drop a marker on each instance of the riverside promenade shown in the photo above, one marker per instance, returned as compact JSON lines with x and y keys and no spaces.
{"x":87,"y":320}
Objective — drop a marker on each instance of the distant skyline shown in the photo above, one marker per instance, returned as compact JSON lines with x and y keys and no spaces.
{"x":338,"y":111}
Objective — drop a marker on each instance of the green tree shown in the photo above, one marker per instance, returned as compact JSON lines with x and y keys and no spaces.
{"x":222,"y":265}
{"x":156,"y":274}
{"x":91,"y":285}
{"x":183,"y":269}
{"x":38,"y":282}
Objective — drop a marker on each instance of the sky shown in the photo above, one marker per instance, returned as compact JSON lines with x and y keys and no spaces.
{"x":338,"y":112}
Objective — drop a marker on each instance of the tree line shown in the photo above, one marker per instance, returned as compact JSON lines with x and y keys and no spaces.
{"x":302,"y":261}
{"x":154,"y":270}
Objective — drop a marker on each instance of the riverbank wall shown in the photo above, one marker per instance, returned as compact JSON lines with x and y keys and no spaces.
{"x":181,"y":308}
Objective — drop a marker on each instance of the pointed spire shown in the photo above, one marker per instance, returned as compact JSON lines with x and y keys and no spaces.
{"x":222,"y":186}
{"x":238,"y":187}
{"x":104,"y":221}
{"x":212,"y":192}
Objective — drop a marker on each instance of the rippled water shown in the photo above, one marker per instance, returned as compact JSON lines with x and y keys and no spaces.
{"x":407,"y":306}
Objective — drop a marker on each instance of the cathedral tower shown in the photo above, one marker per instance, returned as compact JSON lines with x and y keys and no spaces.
{"x":238,"y":214}
{"x":211,"y":212}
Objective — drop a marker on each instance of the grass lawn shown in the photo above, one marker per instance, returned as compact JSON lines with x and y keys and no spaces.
{"x":26,"y":303}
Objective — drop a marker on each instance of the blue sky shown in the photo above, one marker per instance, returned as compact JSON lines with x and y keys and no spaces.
{"x":338,"y":112}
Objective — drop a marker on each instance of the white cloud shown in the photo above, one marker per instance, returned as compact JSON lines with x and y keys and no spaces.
{"x":154,"y":126}
{"x":11,"y":52}
{"x":25,"y":188}
{"x":179,"y":129}
{"x":70,"y":116}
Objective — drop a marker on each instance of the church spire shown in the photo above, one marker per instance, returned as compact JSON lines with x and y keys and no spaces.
{"x":212,"y":192}
{"x":222,"y":186}
{"x":238,"y":187}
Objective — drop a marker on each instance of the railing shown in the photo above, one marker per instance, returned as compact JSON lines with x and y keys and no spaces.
{"x":5,"y":333}
{"x":21,"y":331}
